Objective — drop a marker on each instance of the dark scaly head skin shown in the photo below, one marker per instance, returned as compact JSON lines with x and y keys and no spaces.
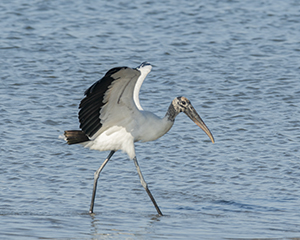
{"x":182,"y":104}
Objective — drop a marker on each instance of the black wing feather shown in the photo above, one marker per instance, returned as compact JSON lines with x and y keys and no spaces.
{"x":90,"y":106}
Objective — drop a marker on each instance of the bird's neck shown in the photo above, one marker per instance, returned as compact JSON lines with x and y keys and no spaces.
{"x":171,"y":113}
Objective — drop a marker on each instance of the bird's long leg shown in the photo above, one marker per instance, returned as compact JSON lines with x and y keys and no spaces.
{"x":145,"y":185}
{"x":96,"y":176}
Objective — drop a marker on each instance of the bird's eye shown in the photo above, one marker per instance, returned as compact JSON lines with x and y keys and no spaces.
{"x":183,"y":102}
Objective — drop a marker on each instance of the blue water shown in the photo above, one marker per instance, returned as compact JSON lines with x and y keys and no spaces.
{"x":237,"y":61}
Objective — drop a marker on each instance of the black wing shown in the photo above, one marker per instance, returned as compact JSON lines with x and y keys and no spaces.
{"x":90,"y":106}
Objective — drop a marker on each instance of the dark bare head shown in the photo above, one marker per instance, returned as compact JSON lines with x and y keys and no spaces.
{"x":182,"y":104}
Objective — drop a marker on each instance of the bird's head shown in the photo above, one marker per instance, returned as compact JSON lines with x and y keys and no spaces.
{"x":182,"y":104}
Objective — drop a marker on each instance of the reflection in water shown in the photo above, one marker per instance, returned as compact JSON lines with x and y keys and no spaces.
{"x":103,"y":226}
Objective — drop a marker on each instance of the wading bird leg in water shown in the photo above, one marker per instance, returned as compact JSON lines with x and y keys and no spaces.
{"x":96,"y":177}
{"x":145,"y":185}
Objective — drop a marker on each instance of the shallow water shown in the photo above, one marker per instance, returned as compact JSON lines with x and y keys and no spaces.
{"x":238,"y":63}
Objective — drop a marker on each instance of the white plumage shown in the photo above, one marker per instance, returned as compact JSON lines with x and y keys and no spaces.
{"x":112,"y":118}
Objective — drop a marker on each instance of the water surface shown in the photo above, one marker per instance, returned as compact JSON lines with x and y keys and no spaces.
{"x":238,"y":63}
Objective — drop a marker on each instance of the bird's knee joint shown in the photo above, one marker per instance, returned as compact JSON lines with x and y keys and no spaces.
{"x":144,"y":184}
{"x":96,"y":174}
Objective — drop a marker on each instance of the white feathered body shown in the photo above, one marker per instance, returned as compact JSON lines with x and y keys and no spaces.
{"x":121,"y":136}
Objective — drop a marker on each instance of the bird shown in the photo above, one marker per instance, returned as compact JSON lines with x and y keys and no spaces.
{"x":112,"y":118}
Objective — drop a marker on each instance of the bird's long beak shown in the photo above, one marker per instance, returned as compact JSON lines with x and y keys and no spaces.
{"x":192,"y":114}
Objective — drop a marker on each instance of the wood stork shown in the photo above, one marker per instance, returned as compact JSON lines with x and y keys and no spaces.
{"x":111,"y":118}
